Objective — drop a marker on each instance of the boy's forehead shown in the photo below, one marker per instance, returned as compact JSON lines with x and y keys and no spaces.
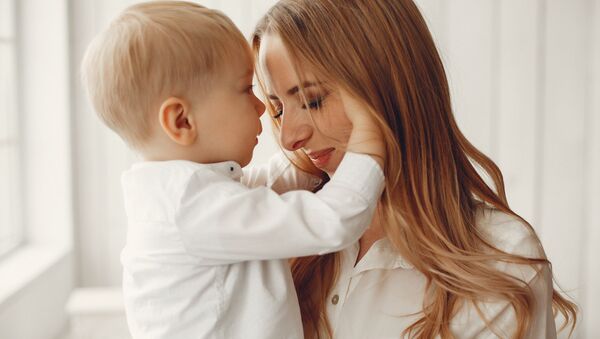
{"x":240,"y":67}
{"x":246,"y":66}
{"x":248,"y":73}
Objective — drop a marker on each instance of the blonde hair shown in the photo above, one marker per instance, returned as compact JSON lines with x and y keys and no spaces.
{"x":382,"y":52}
{"x":153,"y":50}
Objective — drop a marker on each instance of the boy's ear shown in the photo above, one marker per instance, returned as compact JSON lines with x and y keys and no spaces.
{"x":177,"y":121}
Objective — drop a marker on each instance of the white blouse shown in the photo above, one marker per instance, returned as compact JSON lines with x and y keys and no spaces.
{"x":378,"y":297}
{"x":381,"y":295}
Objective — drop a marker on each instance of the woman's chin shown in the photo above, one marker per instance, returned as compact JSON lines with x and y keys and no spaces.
{"x":329,"y":163}
{"x":332,"y":165}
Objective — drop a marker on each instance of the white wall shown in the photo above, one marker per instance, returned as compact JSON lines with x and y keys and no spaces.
{"x":525,"y":79}
{"x":590,"y":278}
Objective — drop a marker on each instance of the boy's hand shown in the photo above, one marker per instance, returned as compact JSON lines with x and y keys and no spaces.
{"x":366,"y":135}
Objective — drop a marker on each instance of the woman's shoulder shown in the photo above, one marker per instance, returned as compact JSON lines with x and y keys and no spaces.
{"x":508,"y":233}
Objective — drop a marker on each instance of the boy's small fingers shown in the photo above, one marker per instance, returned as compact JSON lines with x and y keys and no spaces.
{"x":352,"y":106}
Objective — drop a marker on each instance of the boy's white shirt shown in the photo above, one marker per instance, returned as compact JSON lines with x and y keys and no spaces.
{"x":206,"y":255}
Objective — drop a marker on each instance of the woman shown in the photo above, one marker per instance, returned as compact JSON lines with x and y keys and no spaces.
{"x":445,"y":256}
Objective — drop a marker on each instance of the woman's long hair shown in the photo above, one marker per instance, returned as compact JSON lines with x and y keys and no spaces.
{"x":382,"y":52}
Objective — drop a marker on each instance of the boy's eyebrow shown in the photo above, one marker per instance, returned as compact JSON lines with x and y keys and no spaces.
{"x":249,"y":72}
{"x":295,"y":89}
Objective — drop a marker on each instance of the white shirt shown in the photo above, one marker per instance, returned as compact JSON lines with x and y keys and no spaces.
{"x":379,"y":296}
{"x":206,"y":255}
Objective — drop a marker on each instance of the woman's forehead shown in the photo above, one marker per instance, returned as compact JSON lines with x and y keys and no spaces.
{"x":277,"y":69}
{"x":274,"y":64}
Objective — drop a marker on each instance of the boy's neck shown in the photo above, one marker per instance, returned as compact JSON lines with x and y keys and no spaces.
{"x":166,"y":150}
{"x":170,"y":152}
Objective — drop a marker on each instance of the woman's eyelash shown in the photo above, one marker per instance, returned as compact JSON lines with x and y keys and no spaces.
{"x":279,"y":113}
{"x":250,"y":89}
{"x":314,"y":104}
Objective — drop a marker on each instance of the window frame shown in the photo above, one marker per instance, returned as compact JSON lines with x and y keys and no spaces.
{"x":11,"y":143}
{"x":44,"y":261}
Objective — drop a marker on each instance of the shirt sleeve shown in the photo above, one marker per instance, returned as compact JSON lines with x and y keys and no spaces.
{"x":280,"y":175}
{"x":224,"y":221}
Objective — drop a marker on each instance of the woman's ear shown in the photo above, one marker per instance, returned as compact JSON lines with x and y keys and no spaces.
{"x":177,"y":121}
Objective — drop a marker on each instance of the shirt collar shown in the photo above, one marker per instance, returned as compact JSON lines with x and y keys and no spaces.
{"x":228,"y":168}
{"x":382,"y":256}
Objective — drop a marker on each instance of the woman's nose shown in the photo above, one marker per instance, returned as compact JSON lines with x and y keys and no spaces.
{"x":295,"y":131}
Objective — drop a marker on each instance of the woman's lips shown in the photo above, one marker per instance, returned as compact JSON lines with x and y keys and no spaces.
{"x":320,"y":158}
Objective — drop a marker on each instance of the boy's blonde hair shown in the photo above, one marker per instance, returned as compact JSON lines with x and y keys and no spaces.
{"x":151,"y":51}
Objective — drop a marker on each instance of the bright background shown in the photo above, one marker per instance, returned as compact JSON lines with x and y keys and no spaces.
{"x":525,"y":79}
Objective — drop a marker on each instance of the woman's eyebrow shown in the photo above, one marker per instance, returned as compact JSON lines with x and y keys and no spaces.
{"x":295,"y":89}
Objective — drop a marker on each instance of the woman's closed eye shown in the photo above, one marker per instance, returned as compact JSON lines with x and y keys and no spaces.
{"x":314,"y":103}
{"x":278,"y":112}
{"x":311,"y":104}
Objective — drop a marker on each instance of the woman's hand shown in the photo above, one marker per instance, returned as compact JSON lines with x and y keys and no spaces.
{"x":366,"y":136}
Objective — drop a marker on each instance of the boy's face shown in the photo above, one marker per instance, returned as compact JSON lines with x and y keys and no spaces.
{"x":229,"y":116}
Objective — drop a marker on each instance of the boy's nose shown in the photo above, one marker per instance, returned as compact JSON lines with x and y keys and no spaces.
{"x":260,"y":107}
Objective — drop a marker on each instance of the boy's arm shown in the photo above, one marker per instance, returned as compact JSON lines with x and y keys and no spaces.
{"x":224,"y":222}
{"x":255,"y":224}
{"x":366,"y":136}
{"x":280,"y":175}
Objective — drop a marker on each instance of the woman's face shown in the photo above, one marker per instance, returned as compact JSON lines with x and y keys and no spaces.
{"x":319,"y":125}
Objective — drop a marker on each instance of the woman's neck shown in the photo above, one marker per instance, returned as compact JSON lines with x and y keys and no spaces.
{"x":371,"y":235}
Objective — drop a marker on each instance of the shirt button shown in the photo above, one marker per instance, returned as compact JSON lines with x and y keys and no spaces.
{"x":335,"y":299}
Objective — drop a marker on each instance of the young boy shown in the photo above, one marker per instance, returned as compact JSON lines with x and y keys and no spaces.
{"x":205,"y":255}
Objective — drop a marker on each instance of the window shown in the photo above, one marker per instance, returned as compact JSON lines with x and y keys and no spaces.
{"x":10,"y":225}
